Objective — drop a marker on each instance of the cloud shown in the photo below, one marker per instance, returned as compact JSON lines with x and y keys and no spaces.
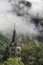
{"x":23,"y":25}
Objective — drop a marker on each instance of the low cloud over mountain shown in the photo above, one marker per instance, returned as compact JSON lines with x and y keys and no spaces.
{"x":25,"y":15}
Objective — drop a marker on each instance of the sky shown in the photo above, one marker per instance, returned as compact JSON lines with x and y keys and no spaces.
{"x":9,"y":19}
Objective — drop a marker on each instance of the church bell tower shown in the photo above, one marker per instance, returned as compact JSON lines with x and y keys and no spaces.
{"x":13,"y":45}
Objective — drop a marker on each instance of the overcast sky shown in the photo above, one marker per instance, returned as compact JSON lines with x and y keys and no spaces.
{"x":8,"y":19}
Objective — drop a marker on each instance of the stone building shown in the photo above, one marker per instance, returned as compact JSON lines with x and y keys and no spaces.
{"x":13,"y":47}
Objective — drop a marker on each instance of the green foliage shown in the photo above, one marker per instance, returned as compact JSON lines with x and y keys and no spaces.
{"x":26,"y":40}
{"x":32,"y":55}
{"x":13,"y":61}
{"x":3,"y":41}
{"x":3,"y":44}
{"x":6,"y":53}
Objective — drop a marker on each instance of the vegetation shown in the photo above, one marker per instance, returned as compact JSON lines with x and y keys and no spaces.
{"x":3,"y":44}
{"x":13,"y":61}
{"x":31,"y":54}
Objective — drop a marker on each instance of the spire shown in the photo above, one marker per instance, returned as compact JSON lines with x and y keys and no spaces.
{"x":14,"y":39}
{"x":13,"y":44}
{"x":14,"y":36}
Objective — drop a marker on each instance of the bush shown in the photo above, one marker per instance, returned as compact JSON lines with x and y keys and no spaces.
{"x":13,"y":61}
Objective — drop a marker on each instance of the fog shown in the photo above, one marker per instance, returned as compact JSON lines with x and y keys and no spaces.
{"x":22,"y":24}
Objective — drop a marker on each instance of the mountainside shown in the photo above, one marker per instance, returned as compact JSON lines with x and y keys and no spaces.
{"x":3,"y":44}
{"x":22,"y":41}
{"x":26,"y":40}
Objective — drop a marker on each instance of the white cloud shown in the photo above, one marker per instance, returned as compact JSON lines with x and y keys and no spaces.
{"x":7,"y":19}
{"x":37,"y":6}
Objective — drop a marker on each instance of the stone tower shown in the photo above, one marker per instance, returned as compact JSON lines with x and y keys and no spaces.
{"x":13,"y":45}
{"x":14,"y":48}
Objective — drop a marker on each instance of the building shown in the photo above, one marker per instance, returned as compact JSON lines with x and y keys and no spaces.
{"x":13,"y":47}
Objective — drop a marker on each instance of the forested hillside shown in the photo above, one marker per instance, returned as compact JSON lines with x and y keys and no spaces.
{"x":31,"y":51}
{"x":3,"y":44}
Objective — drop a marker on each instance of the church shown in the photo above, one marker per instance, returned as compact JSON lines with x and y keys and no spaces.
{"x":14,"y":49}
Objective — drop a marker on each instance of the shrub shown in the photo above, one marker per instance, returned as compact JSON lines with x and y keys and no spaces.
{"x":13,"y":61}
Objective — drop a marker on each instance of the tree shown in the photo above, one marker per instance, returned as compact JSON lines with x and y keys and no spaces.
{"x":6,"y":53}
{"x":32,"y":55}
